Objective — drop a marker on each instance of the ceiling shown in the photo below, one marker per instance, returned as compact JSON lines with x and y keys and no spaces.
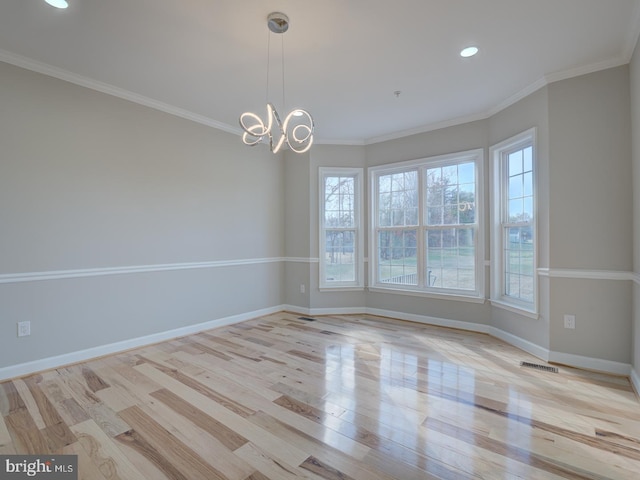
{"x":207,"y":59}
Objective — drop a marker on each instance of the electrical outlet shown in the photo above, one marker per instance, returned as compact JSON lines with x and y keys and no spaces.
{"x":569,"y":321}
{"x":302,"y":288}
{"x":24,"y":329}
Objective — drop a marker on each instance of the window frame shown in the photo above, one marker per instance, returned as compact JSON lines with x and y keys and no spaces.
{"x":499,"y":202}
{"x":421,"y":165}
{"x":358,"y":228}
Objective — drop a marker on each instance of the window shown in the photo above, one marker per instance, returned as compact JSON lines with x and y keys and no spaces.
{"x":425,"y":226}
{"x":341,"y":239}
{"x":397,"y":233}
{"x":451,"y":226}
{"x":514,"y":237}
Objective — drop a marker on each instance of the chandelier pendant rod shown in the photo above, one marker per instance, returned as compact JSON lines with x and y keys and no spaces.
{"x":266,"y":97}
{"x":284,"y":104}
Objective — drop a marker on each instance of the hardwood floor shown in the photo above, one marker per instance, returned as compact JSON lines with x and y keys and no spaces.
{"x":341,"y":397}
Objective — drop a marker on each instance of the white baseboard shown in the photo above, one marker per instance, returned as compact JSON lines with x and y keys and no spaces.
{"x":439,"y":322}
{"x":529,"y":347}
{"x":635,"y":381}
{"x":296,"y":309}
{"x":324,"y":311}
{"x":590,"y":363}
{"x":337,"y":311}
{"x":27,"y":368}
{"x":578,"y":361}
{"x":571,"y":360}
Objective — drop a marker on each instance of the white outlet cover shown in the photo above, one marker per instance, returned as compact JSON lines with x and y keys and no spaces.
{"x":24,"y":329}
{"x":570,"y":321}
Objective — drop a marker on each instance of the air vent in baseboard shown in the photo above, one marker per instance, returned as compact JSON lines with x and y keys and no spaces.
{"x":544,"y":368}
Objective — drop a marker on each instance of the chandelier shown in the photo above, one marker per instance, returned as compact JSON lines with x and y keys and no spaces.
{"x":296,"y":131}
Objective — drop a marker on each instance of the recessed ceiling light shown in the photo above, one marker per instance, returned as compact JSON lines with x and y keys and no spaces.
{"x":58,"y":3}
{"x":468,"y":52}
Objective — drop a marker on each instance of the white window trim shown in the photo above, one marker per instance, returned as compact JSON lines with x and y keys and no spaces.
{"x":358,"y":284}
{"x":421,"y":293}
{"x":496,"y":153}
{"x":477,"y":156}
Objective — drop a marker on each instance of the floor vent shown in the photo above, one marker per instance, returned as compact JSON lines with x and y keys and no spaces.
{"x":307,"y":319}
{"x":544,"y":368}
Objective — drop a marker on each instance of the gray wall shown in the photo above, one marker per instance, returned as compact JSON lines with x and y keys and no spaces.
{"x":590,"y":198}
{"x":89,"y":181}
{"x":635,"y":142}
{"x":589,"y":124}
{"x":297,"y":230}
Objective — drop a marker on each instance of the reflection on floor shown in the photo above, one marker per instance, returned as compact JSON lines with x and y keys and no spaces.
{"x":340,"y":397}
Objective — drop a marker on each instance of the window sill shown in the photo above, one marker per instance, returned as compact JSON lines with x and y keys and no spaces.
{"x":514,"y":308}
{"x":438,"y":296}
{"x":349,"y":288}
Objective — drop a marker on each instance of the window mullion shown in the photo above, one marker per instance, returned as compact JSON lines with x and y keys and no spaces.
{"x":421,"y":254}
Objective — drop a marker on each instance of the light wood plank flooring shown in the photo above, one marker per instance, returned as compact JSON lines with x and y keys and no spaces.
{"x":341,"y":397}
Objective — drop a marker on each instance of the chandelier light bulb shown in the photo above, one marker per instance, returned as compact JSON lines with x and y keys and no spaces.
{"x":296,"y":134}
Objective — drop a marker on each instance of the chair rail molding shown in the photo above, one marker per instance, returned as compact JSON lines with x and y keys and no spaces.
{"x":97,"y":272}
{"x":586,"y":274}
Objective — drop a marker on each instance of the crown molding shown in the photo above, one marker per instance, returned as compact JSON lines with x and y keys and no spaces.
{"x":61,"y":74}
{"x":633,"y":33}
{"x":519,"y":95}
{"x":427,"y":128}
{"x":45,"y":69}
{"x":585,"y":69}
